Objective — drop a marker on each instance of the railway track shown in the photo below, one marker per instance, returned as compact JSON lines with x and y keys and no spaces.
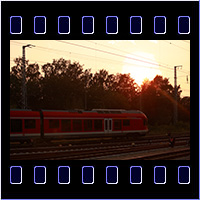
{"x":92,"y":151}
{"x":169,"y":154}
{"x":71,"y":144}
{"x":94,"y":140}
{"x":176,"y":153}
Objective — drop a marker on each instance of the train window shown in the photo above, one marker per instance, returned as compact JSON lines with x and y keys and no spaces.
{"x":29,"y":124}
{"x":126,"y":122}
{"x":77,"y":125}
{"x":66,"y":125}
{"x":110,"y":124}
{"x":106,"y":124}
{"x":87,"y":125}
{"x":117,"y":124}
{"x":98,"y":125}
{"x":53,"y":123}
{"x":16,"y":125}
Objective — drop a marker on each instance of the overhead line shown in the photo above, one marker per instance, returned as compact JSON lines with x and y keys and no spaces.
{"x":121,"y":51}
{"x":185,"y":41}
{"x":115,"y":54}
{"x":31,"y":61}
{"x":103,"y":52}
{"x":176,"y":45}
{"x":129,"y":53}
{"x":100,"y":58}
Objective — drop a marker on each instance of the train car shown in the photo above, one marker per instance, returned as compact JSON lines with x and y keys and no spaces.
{"x":99,"y":122}
{"x":95,"y":123}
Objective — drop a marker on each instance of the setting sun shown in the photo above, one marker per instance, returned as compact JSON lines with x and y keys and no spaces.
{"x":140,"y":71}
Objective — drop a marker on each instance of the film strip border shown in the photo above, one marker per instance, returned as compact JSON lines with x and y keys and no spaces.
{"x":88,"y":24}
{"x":88,"y":175}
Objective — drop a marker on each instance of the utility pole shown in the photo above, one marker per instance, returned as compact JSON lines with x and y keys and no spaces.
{"x":141,"y":100}
{"x":85,"y":88}
{"x":24,"y":91}
{"x":175,"y":94}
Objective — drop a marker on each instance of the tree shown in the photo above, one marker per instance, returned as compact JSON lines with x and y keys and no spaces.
{"x":158,"y":100}
{"x":62,"y":85}
{"x":126,"y":86}
{"x":86,"y":79}
{"x":33,"y":85}
{"x":96,"y":90}
{"x":32,"y":81}
{"x":184,"y":109}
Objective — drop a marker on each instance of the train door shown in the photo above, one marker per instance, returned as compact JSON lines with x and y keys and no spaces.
{"x":107,"y":125}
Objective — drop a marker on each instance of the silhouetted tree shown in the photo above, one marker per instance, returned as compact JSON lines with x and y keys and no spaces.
{"x":158,"y":100}
{"x":33,"y":77}
{"x":64,"y":85}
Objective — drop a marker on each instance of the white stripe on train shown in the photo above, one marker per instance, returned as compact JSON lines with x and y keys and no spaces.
{"x":76,"y":133}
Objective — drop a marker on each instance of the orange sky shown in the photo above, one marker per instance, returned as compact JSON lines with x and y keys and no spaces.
{"x":141,"y":58}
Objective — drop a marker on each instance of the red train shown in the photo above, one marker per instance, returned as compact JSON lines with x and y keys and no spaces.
{"x":26,"y":124}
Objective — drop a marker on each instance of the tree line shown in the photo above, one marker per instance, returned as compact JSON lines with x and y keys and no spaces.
{"x":62,"y":85}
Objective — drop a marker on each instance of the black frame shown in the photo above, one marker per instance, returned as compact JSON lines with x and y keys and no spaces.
{"x":100,"y":10}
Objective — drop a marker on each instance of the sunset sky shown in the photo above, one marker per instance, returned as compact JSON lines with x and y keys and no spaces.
{"x":143,"y":59}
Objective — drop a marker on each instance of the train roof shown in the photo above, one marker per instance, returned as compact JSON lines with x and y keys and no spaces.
{"x":115,"y":111}
{"x":93,"y":112}
{"x":100,"y":111}
{"x":24,"y":112}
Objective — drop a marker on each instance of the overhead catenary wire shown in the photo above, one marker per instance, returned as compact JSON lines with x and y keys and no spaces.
{"x":123,"y":51}
{"x":185,"y":41}
{"x":104,"y":59}
{"x":115,"y":54}
{"x":142,"y":61}
{"x":171,"y":43}
{"x":38,"y":61}
{"x":111,"y":53}
{"x":131,"y":53}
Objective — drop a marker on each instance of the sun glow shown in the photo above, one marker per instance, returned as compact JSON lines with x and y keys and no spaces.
{"x":141,"y":70}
